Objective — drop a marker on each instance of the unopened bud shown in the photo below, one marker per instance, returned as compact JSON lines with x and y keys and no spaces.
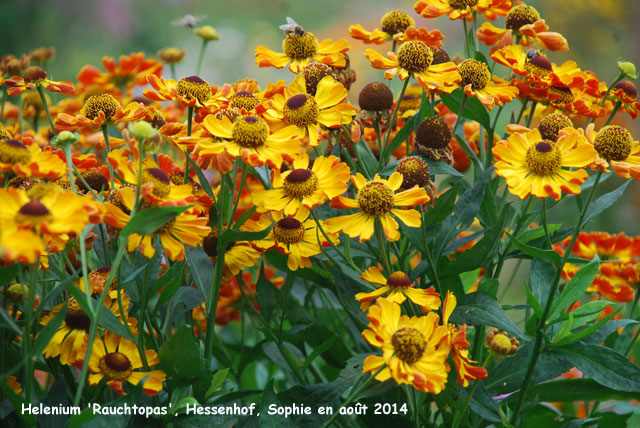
{"x":500,"y":344}
{"x":207,"y":32}
{"x":64,"y":138}
{"x":628,"y":69}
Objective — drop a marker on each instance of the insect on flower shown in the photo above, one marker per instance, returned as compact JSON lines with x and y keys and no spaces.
{"x":292,"y":27}
{"x":189,"y":21}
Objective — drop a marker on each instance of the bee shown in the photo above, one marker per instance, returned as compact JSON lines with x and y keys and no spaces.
{"x":532,"y":54}
{"x":292,"y":27}
{"x":189,"y":21}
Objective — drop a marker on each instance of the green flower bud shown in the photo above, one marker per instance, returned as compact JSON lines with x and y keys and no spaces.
{"x":628,"y":69}
{"x":142,"y":130}
{"x":64,"y":138}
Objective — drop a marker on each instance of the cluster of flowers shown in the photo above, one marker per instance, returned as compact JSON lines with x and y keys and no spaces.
{"x":108,"y":156}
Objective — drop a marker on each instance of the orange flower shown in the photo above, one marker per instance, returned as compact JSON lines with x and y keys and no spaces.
{"x":189,"y":91}
{"x":539,"y":71}
{"x":416,"y":58}
{"x":524,"y":22}
{"x":462,"y":9}
{"x":129,"y":71}
{"x":476,"y":81}
{"x":626,"y":94}
{"x":36,"y":76}
{"x":393,"y":22}
{"x":606,"y":246}
{"x":615,"y":147}
{"x":99,"y":110}
{"x":30,"y":160}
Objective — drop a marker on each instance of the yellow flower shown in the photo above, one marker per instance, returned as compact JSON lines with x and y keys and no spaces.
{"x":398,"y":287}
{"x":414,"y":349}
{"x":462,"y":9}
{"x":296,"y":236}
{"x":416,"y":58}
{"x":376,"y":200}
{"x":116,"y":360}
{"x":29,"y":160}
{"x":392,"y":23}
{"x":72,"y":333}
{"x":299,"y":49}
{"x":237,"y":256}
{"x":250,"y":138}
{"x":308,"y":112}
{"x":533,"y":166}
{"x":304,"y":186}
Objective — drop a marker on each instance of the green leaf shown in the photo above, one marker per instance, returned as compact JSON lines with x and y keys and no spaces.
{"x":581,"y":334}
{"x":579,"y":389}
{"x":605,"y":201}
{"x":112,"y":323}
{"x":508,"y":374}
{"x":606,"y":330}
{"x":271,"y":421}
{"x":265,"y":293}
{"x":477,"y":256}
{"x":473,"y":108}
{"x":603,"y":365}
{"x":170,"y":282}
{"x":549,"y":255}
{"x":200,"y":269}
{"x":400,"y":136}
{"x":565,"y":330}
{"x":48,"y":331}
{"x":367,"y":157}
{"x":576,"y":287}
{"x":481,"y":309}
{"x":180,"y":356}
{"x":217,"y":381}
{"x":541,"y":277}
{"x":231,"y":235}
{"x":147,"y":221}
{"x":323,"y":347}
{"x":440,"y":167}
{"x":206,"y":186}
{"x":108,"y":420}
{"x":8,"y":322}
{"x":585,"y":313}
{"x":8,"y":273}
{"x":465,"y":211}
{"x":533,"y":302}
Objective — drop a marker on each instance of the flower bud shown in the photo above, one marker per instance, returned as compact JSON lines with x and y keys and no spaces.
{"x":142,"y":130}
{"x":628,"y":69}
{"x":500,"y":344}
{"x":207,"y":32}
{"x":64,"y":138}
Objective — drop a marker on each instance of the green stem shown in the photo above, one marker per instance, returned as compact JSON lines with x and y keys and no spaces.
{"x":606,"y":94}
{"x":216,"y":279}
{"x":613,"y":113}
{"x":547,"y":309}
{"x":532,"y":111}
{"x":545,"y":225}
{"x":105,"y":134}
{"x":201,"y":56}
{"x":465,"y":145}
{"x":27,"y":339}
{"x":383,"y":249}
{"x":94,"y":322}
{"x":295,"y":369}
{"x":67,"y":154}
{"x":467,"y":48}
{"x":141,"y":320}
{"x":46,"y":108}
{"x":2,"y":103}
{"x":393,"y":116}
{"x":524,"y":106}
{"x":187,"y":152}
{"x":172,"y":66}
{"x":353,"y":396}
{"x":460,"y":414}
{"x":287,"y":290}
{"x":376,"y":122}
{"x":20,"y":127}
{"x":243,"y":179}
{"x":321,"y":229}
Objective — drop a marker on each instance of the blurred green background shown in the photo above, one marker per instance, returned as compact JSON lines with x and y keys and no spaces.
{"x":599,"y":32}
